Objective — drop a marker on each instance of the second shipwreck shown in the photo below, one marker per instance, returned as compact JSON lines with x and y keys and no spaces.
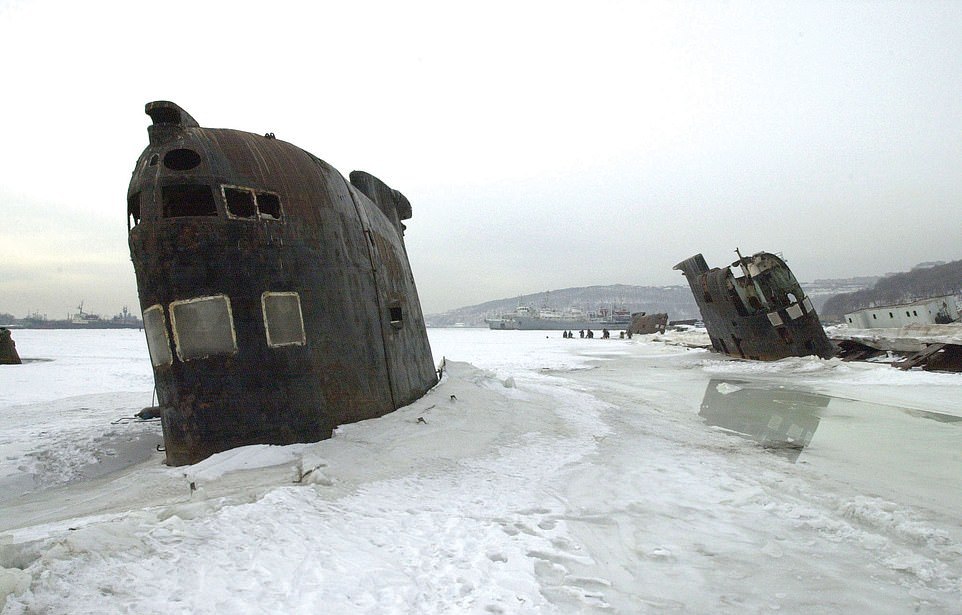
{"x":762,"y":315}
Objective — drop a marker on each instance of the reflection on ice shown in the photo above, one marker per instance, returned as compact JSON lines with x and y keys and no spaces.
{"x":933,"y":416}
{"x":780,"y":419}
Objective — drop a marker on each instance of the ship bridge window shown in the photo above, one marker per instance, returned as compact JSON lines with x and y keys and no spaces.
{"x":203,"y":327}
{"x":181,"y":159}
{"x":283,"y":320}
{"x":269,"y":205}
{"x":133,"y":210}
{"x":248,"y":204}
{"x":158,"y":344}
{"x":240,"y":203}
{"x":188,"y":200}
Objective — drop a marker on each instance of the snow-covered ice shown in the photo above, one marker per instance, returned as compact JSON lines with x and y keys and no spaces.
{"x":542,"y":475}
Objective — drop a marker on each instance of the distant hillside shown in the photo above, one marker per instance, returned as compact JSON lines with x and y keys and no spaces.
{"x":926,"y":280}
{"x":677,"y":301}
{"x":820,"y":291}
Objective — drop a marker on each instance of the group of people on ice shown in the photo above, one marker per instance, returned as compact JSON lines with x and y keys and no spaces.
{"x":605,"y":334}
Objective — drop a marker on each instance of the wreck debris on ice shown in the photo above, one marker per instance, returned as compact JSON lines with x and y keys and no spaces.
{"x":277,"y":297}
{"x":932,"y":347}
{"x":644,"y":324}
{"x":8,"y":348}
{"x":762,"y":315}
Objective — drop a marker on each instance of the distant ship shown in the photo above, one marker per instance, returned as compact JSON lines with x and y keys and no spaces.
{"x":82,"y":320}
{"x":762,"y":315}
{"x":278,"y":299}
{"x":549,"y":319}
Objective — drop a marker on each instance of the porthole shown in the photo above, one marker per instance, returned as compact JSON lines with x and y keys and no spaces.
{"x":181,"y":159}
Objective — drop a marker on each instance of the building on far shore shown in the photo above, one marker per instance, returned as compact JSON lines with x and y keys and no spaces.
{"x":931,"y":311}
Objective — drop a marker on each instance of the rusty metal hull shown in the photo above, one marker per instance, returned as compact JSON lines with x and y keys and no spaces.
{"x":278,"y":298}
{"x":644,"y":324}
{"x":8,"y":348}
{"x":762,"y":315}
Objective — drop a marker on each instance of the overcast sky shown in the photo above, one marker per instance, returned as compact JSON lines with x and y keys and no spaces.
{"x":542,"y":144}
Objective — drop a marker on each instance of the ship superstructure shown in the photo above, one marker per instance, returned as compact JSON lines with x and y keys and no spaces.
{"x":277,"y":297}
{"x":762,"y":314}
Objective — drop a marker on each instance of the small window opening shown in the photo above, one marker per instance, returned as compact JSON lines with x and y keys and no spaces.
{"x":907,"y":313}
{"x":850,"y":320}
{"x":240,"y":203}
{"x":269,"y":205}
{"x":396,"y":315}
{"x":188,"y":200}
{"x":158,"y":344}
{"x":914,"y":313}
{"x":133,"y":210}
{"x":153,"y":160}
{"x":891,"y":315}
{"x":283,"y":319}
{"x":203,"y":327}
{"x":874,"y":317}
{"x":181,"y":159}
{"x":737,"y":303}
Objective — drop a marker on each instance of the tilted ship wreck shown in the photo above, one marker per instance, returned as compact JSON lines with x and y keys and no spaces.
{"x":763,"y":315}
{"x":278,"y":301}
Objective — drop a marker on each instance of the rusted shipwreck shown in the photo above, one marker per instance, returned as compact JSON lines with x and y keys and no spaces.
{"x":8,"y":348}
{"x":645,"y":324}
{"x":763,"y":315}
{"x":278,"y":300}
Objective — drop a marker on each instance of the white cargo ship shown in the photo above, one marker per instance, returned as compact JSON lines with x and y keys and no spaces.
{"x":549,"y":319}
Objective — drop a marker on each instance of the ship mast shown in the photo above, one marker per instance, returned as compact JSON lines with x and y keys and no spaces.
{"x":741,"y":263}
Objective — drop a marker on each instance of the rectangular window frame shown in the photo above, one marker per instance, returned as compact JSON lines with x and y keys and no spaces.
{"x":267,"y":327}
{"x":254,"y":194}
{"x":396,"y":315}
{"x":181,"y":201}
{"x":177,"y":334}
{"x":224,"y":188}
{"x":151,"y":332}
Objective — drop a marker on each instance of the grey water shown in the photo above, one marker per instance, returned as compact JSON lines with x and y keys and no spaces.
{"x":878,"y":449}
